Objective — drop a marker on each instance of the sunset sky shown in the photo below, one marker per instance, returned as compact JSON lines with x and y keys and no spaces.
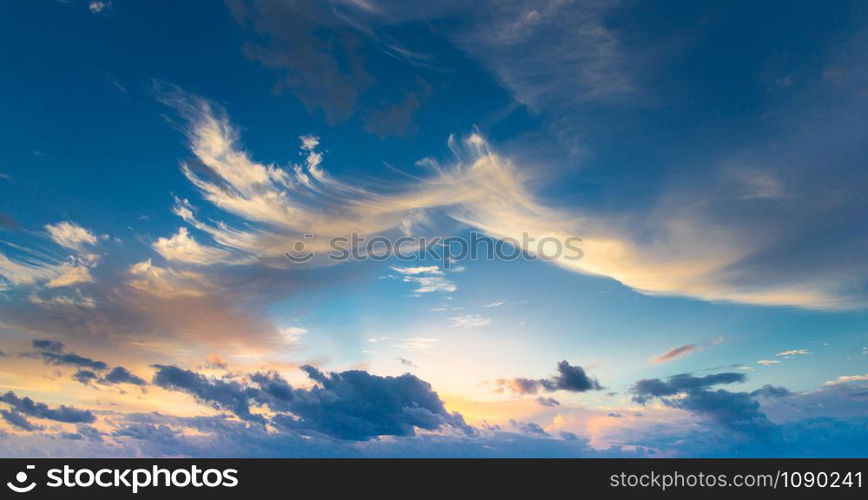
{"x":161,"y":159}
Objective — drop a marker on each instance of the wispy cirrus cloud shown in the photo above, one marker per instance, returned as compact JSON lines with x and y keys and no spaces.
{"x":675,"y":353}
{"x":793,"y":352}
{"x":683,"y":351}
{"x":480,"y":189}
{"x":37,"y":268}
{"x":427,"y":279}
{"x":182,"y":247}
{"x":768,"y":362}
{"x":71,"y":235}
{"x":470,"y":321}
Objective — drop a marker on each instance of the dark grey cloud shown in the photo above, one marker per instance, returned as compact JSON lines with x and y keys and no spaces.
{"x":62,"y":413}
{"x":549,"y":402}
{"x":274,"y":390}
{"x":315,"y":53}
{"x":85,"y":432}
{"x":733,"y":410}
{"x":771,"y":391}
{"x":357,"y":405}
{"x":221,"y":394}
{"x":120,"y":375}
{"x":397,"y":119}
{"x":18,"y":420}
{"x":153,"y":433}
{"x":572,"y":378}
{"x":650,"y":388}
{"x":568,"y":378}
{"x":529,"y":428}
{"x":352,"y":405}
{"x":8,"y":223}
{"x":48,"y":345}
{"x":407,"y":362}
{"x":322,"y":52}
{"x":85,"y":376}
{"x":52,"y":352}
{"x":72,"y":359}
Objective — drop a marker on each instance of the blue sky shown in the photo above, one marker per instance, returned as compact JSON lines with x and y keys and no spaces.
{"x":161,"y":158}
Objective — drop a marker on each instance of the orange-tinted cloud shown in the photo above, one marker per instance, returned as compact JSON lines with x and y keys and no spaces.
{"x":676,"y":352}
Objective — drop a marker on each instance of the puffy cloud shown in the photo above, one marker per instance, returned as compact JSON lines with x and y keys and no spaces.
{"x":649,"y":388}
{"x":357,"y":405}
{"x":275,"y":391}
{"x":230,"y":395}
{"x":70,"y":235}
{"x":69,"y":275}
{"x":733,"y":410}
{"x":569,"y":378}
{"x":31,"y":408}
{"x":181,"y":247}
{"x":18,"y":420}
{"x":351,"y":405}
{"x":165,"y":282}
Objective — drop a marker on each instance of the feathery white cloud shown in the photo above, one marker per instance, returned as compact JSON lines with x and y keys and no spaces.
{"x":843,"y":379}
{"x":793,"y":352}
{"x":70,"y":235}
{"x":181,"y":247}
{"x":768,"y":362}
{"x":166,"y":282}
{"x":69,"y":275}
{"x":470,"y":321}
{"x":683,"y":256}
{"x":411,"y":271}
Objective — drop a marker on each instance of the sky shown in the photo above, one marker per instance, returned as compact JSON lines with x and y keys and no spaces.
{"x":675,"y":193}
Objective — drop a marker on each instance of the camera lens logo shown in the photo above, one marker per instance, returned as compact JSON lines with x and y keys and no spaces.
{"x":21,"y":478}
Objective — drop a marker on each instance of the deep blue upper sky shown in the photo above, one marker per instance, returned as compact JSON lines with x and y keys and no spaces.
{"x":711,"y":155}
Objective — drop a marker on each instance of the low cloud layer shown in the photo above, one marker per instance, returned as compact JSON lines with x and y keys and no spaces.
{"x":353,"y":405}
